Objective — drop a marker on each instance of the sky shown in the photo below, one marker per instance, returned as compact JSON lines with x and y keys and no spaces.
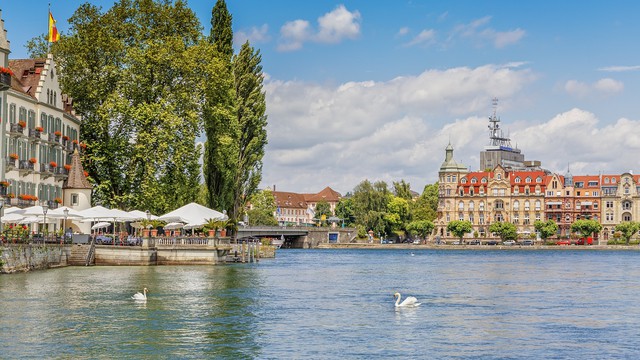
{"x":375,"y":90}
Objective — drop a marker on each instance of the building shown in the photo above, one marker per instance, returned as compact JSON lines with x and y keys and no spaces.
{"x":39,"y":136}
{"x":299,"y":209}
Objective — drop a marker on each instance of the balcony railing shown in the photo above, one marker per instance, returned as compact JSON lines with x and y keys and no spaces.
{"x":25,"y":166}
{"x":34,"y":134}
{"x":16,"y":129}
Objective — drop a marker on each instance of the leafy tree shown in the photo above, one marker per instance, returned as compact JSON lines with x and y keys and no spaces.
{"x":505,"y":230}
{"x":38,"y":47}
{"x":459,"y":228}
{"x":252,"y":122}
{"x":397,"y":213}
{"x":546,"y":229}
{"x":627,"y":229}
{"x":402,"y":190}
{"x":370,"y":205}
{"x":344,"y":210}
{"x":586,"y":227}
{"x":220,"y":163}
{"x":323,"y":209}
{"x":141,"y":139}
{"x":422,"y":228}
{"x":263,"y":208}
{"x":425,"y":208}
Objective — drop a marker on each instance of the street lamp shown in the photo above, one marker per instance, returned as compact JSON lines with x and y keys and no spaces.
{"x":66,"y":213}
{"x":148,"y":223}
{"x":45,"y":208}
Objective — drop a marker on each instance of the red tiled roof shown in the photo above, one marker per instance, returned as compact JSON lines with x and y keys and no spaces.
{"x":327,"y":194}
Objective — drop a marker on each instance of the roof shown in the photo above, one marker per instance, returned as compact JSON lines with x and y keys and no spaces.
{"x":327,"y":194}
{"x":76,"y":178}
{"x":301,"y":201}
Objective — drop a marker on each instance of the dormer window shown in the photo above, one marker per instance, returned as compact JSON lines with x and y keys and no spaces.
{"x":517,"y":180}
{"x":463,"y":180}
{"x":538,"y":179}
{"x":484,"y":180}
{"x":528,"y":180}
{"x":474,"y":180}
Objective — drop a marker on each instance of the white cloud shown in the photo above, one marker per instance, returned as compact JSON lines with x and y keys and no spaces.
{"x":255,"y":35}
{"x":333,"y":27}
{"x":479,"y":32}
{"x":338,"y":24}
{"x":403,"y":31}
{"x":425,"y":37}
{"x":620,"y":68}
{"x":604,"y":86}
{"x":337,"y":136}
{"x":294,"y":34}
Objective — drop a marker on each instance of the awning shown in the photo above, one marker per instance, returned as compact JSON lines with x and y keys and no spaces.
{"x":553,"y":203}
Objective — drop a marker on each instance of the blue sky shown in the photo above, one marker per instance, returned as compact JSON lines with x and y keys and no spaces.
{"x":376,"y":89}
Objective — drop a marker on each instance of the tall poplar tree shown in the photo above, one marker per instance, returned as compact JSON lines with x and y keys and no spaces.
{"x":220,"y":120}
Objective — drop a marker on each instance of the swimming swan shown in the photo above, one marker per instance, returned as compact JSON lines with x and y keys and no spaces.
{"x":142,"y":296}
{"x":408,"y":302}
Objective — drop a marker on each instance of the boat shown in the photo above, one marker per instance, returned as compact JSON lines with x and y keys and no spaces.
{"x":278,"y":242}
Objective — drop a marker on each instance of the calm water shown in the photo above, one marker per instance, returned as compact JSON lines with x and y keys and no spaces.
{"x":329,"y":304}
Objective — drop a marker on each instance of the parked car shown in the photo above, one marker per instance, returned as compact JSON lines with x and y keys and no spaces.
{"x":527,"y":242}
{"x":492,"y":242}
{"x":563,"y":242}
{"x":474,"y":242}
{"x":581,"y":241}
{"x":509,"y":242}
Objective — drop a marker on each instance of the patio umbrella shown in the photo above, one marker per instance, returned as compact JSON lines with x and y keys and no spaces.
{"x":100,"y":225}
{"x":12,"y":218}
{"x":173,"y":226}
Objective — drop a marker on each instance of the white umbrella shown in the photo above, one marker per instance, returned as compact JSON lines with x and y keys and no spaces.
{"x":35,"y":210}
{"x":36,"y":219}
{"x":173,"y":225}
{"x":13,"y":209}
{"x":12,"y":218}
{"x":192,"y":214}
{"x":100,"y":225}
{"x":193,"y":226}
{"x":141,"y":215}
{"x":59,"y":213}
{"x":100,"y":213}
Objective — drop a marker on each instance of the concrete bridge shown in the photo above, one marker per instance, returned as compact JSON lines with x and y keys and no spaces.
{"x":300,"y":236}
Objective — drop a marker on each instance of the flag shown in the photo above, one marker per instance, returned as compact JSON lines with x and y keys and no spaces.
{"x":54,"y":35}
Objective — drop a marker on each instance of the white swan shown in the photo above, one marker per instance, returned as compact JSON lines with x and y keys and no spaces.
{"x":142,"y":296}
{"x":410,"y":301}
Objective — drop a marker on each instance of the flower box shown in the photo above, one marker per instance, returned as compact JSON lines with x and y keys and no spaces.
{"x":58,"y":200}
{"x":11,"y":195}
{"x":57,"y":133}
{"x":22,"y":124}
{"x":53,"y":164}
{"x":4,"y":183}
{"x":5,"y":78}
{"x":39,"y":128}
{"x":65,"y":137}
{"x":32,"y":160}
{"x":67,"y":167}
{"x":14,"y":156}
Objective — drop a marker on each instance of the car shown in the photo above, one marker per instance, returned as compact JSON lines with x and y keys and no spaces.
{"x":563,"y":242}
{"x":527,"y":242}
{"x":509,"y":242}
{"x":581,"y":241}
{"x":492,"y":242}
{"x":474,"y":242}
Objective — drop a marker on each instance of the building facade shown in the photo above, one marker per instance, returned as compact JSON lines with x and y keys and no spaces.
{"x":299,"y":208}
{"x":39,"y":135}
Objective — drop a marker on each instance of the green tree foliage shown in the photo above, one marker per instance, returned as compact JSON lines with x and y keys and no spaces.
{"x":38,"y":47}
{"x":586,"y":228}
{"x":426,"y":206}
{"x":421,"y":228}
{"x":627,"y":229}
{"x":505,"y":230}
{"x":263,"y":208}
{"x":252,"y":122}
{"x":323,"y":209}
{"x":134,"y":81}
{"x":397,"y":215}
{"x":370,"y":205}
{"x":344,"y":210}
{"x":459,"y":228}
{"x":546,"y":229}
{"x":221,"y":33}
{"x":402,"y":190}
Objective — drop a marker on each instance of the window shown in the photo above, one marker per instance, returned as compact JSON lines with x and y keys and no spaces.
{"x":74,"y":199}
{"x":471,"y":218}
{"x":474,"y":180}
{"x":595,"y":193}
{"x":526,"y":205}
{"x":592,"y":183}
{"x":461,"y":216}
{"x":499,"y":176}
{"x":515,"y":190}
{"x":484,"y":180}
{"x":609,"y":216}
{"x":608,"y":204}
{"x":499,"y":205}
{"x":463,"y":180}
{"x":498,"y":217}
{"x":538,"y":205}
{"x":471,"y":206}
{"x":517,"y":180}
{"x":460,"y":205}
{"x":461,"y":192}
{"x":626,"y":205}
{"x":516,"y":219}
{"x":481,"y":219}
{"x":481,"y":207}
{"x":526,"y":219}
{"x":538,"y":179}
{"x":516,"y":205}
{"x":527,"y":180}
{"x":471,"y":191}
{"x":626,"y":217}
{"x":606,"y":180}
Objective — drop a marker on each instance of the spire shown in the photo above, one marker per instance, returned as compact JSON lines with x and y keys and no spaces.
{"x":568,"y":178}
{"x":76,"y":178}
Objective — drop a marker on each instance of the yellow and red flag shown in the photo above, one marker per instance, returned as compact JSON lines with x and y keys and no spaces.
{"x":54,"y":35}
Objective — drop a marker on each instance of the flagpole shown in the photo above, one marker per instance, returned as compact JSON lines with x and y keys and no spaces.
{"x":49,"y":30}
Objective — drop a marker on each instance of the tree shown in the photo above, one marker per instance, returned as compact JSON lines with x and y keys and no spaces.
{"x":627,"y":229}
{"x":425,"y":208}
{"x":546,"y":229}
{"x":402,"y":190}
{"x":505,"y":230}
{"x":344,"y":210}
{"x":220,"y":162}
{"x":422,"y":228}
{"x":397,"y":215}
{"x":370,"y":205}
{"x":252,"y":122}
{"x":263,"y":208}
{"x":586,"y":227}
{"x":323,"y":209}
{"x":459,"y":228}
{"x":141,"y":139}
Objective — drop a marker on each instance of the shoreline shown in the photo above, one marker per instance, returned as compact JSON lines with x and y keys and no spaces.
{"x":476,"y":247}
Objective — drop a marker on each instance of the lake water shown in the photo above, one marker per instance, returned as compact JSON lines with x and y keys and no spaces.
{"x":330,"y":304}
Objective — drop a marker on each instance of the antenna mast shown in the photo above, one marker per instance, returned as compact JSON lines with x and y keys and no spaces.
{"x":496,"y":137}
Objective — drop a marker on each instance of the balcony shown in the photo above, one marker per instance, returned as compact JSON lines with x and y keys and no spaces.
{"x":46,"y":170}
{"x":60,"y":172}
{"x":25,"y":167}
{"x":34,"y":135}
{"x":11,"y":163}
{"x":16,"y":130}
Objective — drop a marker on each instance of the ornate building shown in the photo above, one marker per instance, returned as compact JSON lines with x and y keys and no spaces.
{"x":299,"y":209}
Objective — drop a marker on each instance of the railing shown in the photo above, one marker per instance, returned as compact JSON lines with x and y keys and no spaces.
{"x":190,"y":241}
{"x":92,"y":253}
{"x":34,"y":134}
{"x":25,"y":165}
{"x":16,"y":129}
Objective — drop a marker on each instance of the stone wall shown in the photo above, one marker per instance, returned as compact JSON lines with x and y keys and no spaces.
{"x":320,"y":235}
{"x":27,"y":257}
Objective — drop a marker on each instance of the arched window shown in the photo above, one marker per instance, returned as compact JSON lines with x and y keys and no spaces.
{"x":460,"y":205}
{"x":516,"y":205}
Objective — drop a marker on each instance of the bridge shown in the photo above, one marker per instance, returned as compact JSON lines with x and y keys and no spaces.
{"x":299,"y":236}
